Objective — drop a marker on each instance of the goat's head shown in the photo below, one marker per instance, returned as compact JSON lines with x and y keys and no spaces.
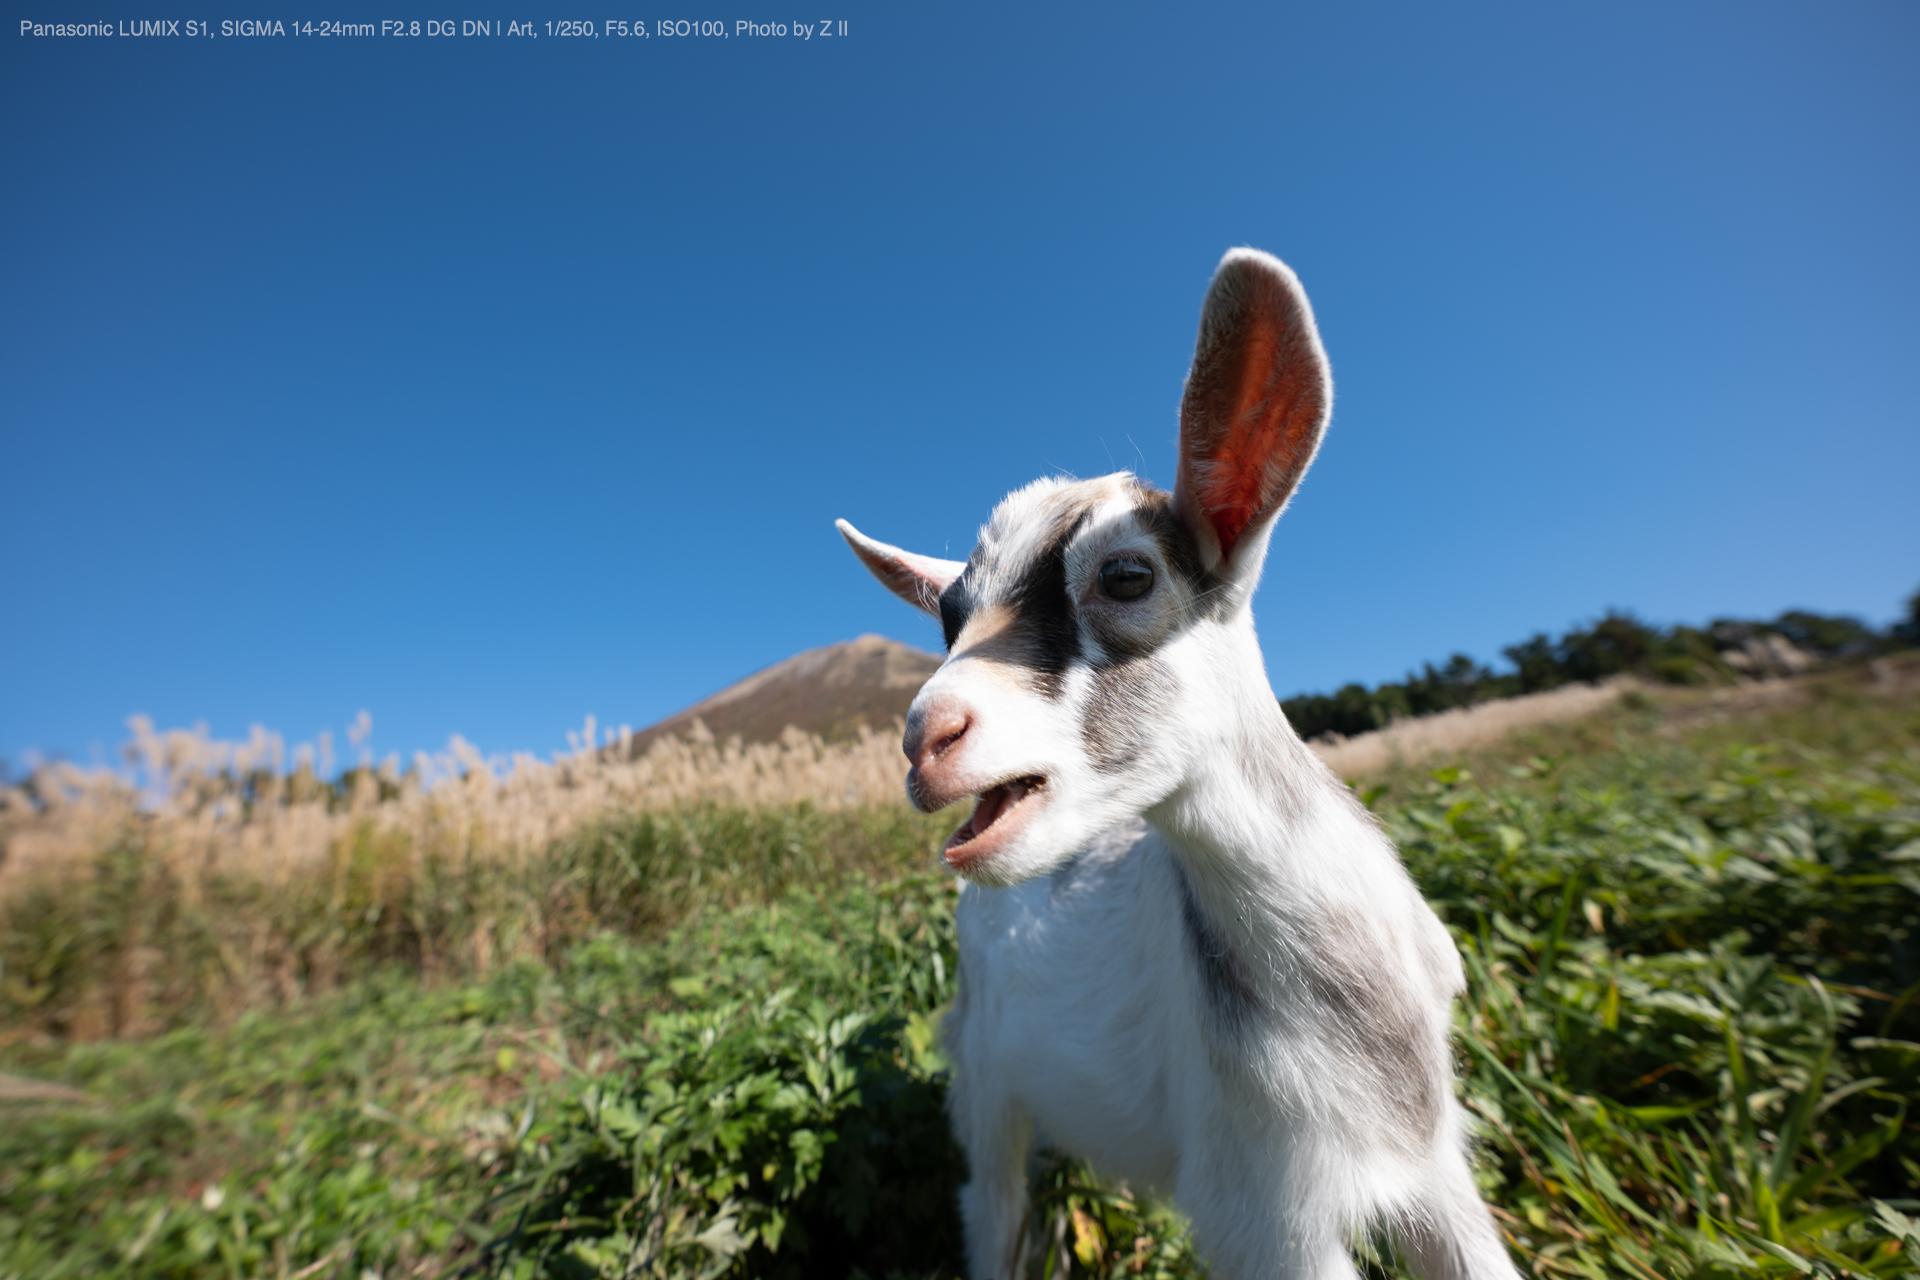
{"x":1099,"y":638}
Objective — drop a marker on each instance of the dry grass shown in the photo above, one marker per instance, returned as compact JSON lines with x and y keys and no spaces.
{"x":202,"y":881}
{"x":1465,"y":728}
{"x":1469,"y":731}
{"x":205,"y":806}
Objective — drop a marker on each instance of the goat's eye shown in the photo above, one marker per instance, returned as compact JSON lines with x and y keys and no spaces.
{"x":1125,"y":579}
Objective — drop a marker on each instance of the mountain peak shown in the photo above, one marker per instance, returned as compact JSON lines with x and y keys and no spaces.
{"x":830,"y":691}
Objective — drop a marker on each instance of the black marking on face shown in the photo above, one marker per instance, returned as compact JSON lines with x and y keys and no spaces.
{"x":1043,"y":610}
{"x":956,"y":605}
{"x":1126,"y":700}
{"x":1232,"y":1003}
{"x":1041,"y":636}
{"x":1154,"y":510}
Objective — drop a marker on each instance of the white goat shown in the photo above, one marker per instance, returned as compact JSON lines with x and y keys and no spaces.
{"x":1187,"y":953}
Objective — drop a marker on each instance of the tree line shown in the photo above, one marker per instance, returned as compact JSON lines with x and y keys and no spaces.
{"x":1724,"y":650}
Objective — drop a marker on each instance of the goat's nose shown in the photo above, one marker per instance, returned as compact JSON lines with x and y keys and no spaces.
{"x":933,"y":734}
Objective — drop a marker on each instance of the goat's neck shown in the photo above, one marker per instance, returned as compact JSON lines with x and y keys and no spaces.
{"x":1258,"y":824}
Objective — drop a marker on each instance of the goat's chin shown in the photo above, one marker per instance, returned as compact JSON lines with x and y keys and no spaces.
{"x":1015,"y":864}
{"x":997,"y":844}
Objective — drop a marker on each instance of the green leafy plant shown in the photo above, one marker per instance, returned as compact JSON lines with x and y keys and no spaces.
{"x":781,"y":1114}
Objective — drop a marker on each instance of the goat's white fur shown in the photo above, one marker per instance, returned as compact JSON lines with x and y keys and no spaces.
{"x":1189,"y":955}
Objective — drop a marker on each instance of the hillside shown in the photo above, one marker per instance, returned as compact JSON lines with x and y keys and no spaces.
{"x":830,"y":691}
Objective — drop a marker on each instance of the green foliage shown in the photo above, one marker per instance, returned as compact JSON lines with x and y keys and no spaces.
{"x":1907,"y":630}
{"x":781,"y":1114}
{"x":1620,"y":644}
{"x":355,"y":1131}
{"x":1830,"y":637}
{"x":1671,"y":960}
{"x":1355,"y":709}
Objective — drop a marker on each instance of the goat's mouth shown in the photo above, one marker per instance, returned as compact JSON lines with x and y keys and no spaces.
{"x":996,"y":811}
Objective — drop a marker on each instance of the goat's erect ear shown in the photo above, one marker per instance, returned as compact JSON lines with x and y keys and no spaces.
{"x":1257,"y":402}
{"x":918,"y":580}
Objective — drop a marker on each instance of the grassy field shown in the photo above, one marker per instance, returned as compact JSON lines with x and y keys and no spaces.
{"x":700,"y":1039}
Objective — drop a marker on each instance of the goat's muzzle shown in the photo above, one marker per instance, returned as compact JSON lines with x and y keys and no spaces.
{"x":934,"y":735}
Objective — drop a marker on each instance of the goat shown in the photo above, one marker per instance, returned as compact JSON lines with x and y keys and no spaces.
{"x":1187,"y":952}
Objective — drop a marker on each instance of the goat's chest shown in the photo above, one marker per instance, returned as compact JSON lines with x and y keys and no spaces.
{"x":1084,"y":1002}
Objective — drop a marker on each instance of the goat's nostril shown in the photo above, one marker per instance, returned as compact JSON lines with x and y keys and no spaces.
{"x":934,"y":736}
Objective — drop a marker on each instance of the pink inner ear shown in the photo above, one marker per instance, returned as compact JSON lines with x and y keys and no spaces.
{"x":1237,"y":487}
{"x":1247,"y":453}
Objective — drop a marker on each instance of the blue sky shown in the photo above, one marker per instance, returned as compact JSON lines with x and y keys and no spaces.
{"x":486,"y":383}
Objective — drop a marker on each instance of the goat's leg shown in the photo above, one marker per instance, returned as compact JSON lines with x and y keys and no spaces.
{"x":993,"y":1204}
{"x":1450,"y":1234}
{"x":1293,"y":1231}
{"x":1284,"y":1260}
{"x":1334,"y":1263}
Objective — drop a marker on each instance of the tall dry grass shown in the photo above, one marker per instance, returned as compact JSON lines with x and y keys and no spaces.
{"x":206,"y":805}
{"x":204,"y":878}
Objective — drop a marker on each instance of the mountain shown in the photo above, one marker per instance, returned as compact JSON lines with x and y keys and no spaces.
{"x":830,"y":691}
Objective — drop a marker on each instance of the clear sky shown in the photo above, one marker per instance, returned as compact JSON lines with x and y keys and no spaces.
{"x":484,"y":383}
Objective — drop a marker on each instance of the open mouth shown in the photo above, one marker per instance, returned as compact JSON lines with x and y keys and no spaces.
{"x":993,"y":808}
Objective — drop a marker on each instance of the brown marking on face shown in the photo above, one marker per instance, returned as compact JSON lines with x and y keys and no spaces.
{"x":996,"y":637}
{"x":985,"y":625}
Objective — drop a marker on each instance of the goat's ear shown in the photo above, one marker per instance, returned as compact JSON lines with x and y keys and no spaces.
{"x":918,"y":580}
{"x":1256,"y":404}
